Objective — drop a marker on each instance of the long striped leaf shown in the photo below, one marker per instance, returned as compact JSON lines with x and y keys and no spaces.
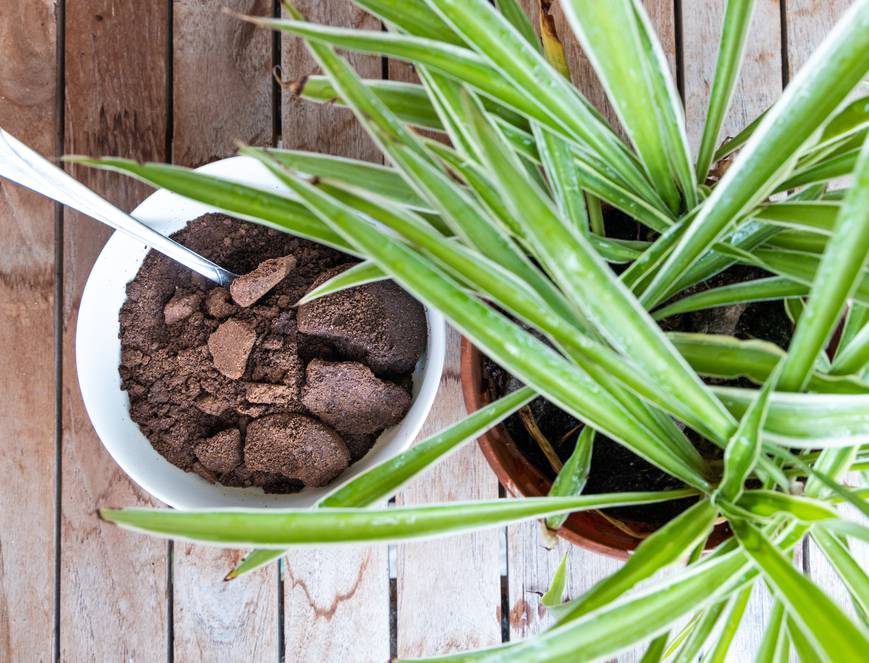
{"x":825,"y":625}
{"x":492,"y":36}
{"x":273,"y":528}
{"x":819,"y":87}
{"x":743,"y":448}
{"x":576,"y":268}
{"x":412,"y":17}
{"x":759,"y":290}
{"x":572,"y":477}
{"x":670,"y":544}
{"x":612,"y":37}
{"x":731,"y":358}
{"x":734,"y":30}
{"x":359,"y":274}
{"x":851,"y":573}
{"x":838,"y":275}
{"x":806,"y":421}
{"x":383,"y":480}
{"x":243,"y":201}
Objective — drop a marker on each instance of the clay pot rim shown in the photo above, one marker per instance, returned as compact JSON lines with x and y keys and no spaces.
{"x":519,"y":477}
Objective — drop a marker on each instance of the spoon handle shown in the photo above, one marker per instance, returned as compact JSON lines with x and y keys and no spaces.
{"x":20,"y":164}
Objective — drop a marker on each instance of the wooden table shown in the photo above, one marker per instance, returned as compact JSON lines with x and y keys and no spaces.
{"x":178,"y":81}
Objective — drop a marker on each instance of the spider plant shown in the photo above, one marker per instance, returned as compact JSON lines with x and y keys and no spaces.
{"x":499,"y":228}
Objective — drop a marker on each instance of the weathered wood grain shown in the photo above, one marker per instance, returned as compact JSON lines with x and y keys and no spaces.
{"x":28,"y":78}
{"x":222,"y":91}
{"x":223,"y":621}
{"x":807,"y":22}
{"x":325,"y":129}
{"x":222,"y":79}
{"x":759,"y":82}
{"x":336,"y":601}
{"x":113,"y":583}
{"x":449,"y":596}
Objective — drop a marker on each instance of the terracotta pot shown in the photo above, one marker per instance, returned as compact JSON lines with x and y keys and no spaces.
{"x":520,"y":477}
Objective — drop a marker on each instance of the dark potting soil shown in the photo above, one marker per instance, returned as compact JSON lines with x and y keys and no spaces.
{"x":613,"y":467}
{"x":233,"y":386}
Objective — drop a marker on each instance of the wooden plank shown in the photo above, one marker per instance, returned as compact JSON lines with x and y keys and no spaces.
{"x":336,"y":602}
{"x":222,"y":91}
{"x":113,"y":590}
{"x":326,"y":129}
{"x":222,"y":79}
{"x":449,"y":594}
{"x":223,"y":621}
{"x":759,"y":83}
{"x":807,"y":22}
{"x":28,"y":79}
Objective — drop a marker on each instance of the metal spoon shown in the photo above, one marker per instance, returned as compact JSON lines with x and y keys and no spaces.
{"x":21,"y":164}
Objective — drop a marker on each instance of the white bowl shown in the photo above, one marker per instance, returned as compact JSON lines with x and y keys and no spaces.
{"x":98,"y":352}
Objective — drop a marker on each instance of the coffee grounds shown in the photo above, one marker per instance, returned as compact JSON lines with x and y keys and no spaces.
{"x":216,"y":386}
{"x":379,"y":324}
{"x":347,"y":396}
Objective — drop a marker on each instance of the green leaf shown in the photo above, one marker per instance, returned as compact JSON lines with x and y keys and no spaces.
{"x":516,"y":60}
{"x":817,"y":216}
{"x":406,"y":100}
{"x":817,"y":90}
{"x":733,"y":143}
{"x":731,"y":358}
{"x":806,"y":652}
{"x":552,"y":596}
{"x":731,"y":47}
{"x":572,"y":477}
{"x":563,"y":177}
{"x":359,"y":274}
{"x":514,"y":13}
{"x":774,"y":640}
{"x":838,"y":275}
{"x":846,"y":566}
{"x":758,"y":290}
{"x":641,"y":615}
{"x":615,"y":38}
{"x":770,"y":504}
{"x":518,"y":351}
{"x":693,"y":645}
{"x":359,"y":176}
{"x":576,"y":268}
{"x":807,"y":421}
{"x":743,"y":448}
{"x":830,"y":169}
{"x":825,"y":625}
{"x":274,"y":528}
{"x":735,"y":611}
{"x":413,"y":17}
{"x":854,"y":357}
{"x":243,"y":201}
{"x":385,"y":479}
{"x":800,"y":267}
{"x":669,"y":545}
